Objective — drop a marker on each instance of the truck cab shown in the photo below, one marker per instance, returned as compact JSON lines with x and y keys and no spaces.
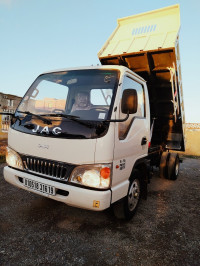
{"x":73,"y":139}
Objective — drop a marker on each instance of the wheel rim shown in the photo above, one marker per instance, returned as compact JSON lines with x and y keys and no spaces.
{"x":134,"y":195}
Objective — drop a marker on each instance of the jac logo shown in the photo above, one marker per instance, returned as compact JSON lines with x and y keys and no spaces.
{"x":43,"y":146}
{"x":45,"y":130}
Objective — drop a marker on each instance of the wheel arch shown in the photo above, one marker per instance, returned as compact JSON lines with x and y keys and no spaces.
{"x":143,"y":166}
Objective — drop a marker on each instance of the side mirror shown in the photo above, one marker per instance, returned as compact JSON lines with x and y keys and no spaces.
{"x":129,"y":102}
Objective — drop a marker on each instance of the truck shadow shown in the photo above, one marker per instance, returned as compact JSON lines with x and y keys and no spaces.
{"x":49,"y":214}
{"x":43,"y":214}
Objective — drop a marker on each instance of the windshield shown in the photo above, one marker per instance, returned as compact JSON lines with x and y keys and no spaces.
{"x":86,"y":94}
{"x":70,"y":104}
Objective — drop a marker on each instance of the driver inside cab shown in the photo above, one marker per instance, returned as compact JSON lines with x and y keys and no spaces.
{"x":82,"y":102}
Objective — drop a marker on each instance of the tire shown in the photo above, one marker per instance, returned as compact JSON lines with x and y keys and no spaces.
{"x":173,"y":166}
{"x":126,"y":207}
{"x":164,"y":164}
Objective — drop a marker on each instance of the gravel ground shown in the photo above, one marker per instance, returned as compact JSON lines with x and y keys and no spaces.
{"x":165,"y":230}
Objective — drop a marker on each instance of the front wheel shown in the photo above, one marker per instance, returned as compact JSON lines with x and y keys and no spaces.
{"x":126,"y":208}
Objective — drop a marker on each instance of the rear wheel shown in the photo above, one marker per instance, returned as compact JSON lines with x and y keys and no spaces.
{"x":126,"y":208}
{"x":163,"y":164}
{"x":173,"y":166}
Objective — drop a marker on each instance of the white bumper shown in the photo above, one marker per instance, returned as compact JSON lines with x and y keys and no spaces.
{"x":77,"y":197}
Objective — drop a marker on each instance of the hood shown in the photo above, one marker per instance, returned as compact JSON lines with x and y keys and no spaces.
{"x":72,"y":151}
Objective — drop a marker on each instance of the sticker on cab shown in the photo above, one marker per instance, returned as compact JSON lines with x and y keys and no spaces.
{"x":102,"y":115}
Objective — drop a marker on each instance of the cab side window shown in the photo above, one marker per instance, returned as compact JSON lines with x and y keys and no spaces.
{"x":125,"y":126}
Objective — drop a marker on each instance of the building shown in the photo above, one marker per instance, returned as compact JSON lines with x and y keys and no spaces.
{"x":8,"y":104}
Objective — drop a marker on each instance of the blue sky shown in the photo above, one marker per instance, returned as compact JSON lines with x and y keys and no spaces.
{"x":40,"y":35}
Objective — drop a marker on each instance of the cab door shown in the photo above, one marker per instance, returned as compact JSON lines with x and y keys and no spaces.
{"x":131,"y":137}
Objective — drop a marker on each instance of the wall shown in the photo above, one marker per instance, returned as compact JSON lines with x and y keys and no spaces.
{"x":193,"y":139}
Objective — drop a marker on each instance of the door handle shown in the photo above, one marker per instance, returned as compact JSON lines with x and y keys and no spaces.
{"x":144,"y":141}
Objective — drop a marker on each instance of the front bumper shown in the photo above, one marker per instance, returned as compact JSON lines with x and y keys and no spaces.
{"x":77,"y":197}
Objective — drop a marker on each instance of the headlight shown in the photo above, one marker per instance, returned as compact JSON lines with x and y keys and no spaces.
{"x":13,"y":159}
{"x":97,"y":175}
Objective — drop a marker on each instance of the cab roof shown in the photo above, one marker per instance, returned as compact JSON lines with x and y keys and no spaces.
{"x":123,"y":69}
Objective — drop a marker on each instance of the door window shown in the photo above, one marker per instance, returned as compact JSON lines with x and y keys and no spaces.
{"x":125,"y":126}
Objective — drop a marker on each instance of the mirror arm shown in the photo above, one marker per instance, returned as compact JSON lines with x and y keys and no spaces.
{"x":119,"y":120}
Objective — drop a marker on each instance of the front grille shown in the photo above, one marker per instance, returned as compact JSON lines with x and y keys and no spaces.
{"x":44,"y":167}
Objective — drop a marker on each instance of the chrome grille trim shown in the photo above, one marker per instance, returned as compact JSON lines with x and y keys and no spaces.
{"x":47,"y":168}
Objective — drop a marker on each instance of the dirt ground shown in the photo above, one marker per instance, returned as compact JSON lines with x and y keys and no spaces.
{"x":165,"y":230}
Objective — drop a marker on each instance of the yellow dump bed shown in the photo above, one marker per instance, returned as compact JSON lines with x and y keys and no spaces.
{"x":147,"y":31}
{"x":148,"y":44}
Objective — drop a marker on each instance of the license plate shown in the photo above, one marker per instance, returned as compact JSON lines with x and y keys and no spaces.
{"x":39,"y":186}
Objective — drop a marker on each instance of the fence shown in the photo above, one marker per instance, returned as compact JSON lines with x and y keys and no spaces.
{"x":5,"y":126}
{"x":193,"y":126}
{"x":4,"y":123}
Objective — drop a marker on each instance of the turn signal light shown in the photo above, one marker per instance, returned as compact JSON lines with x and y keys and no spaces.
{"x":105,"y":172}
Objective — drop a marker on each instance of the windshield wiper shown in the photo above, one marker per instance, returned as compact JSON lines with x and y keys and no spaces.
{"x":63,"y":115}
{"x":72,"y":117}
{"x":47,"y":121}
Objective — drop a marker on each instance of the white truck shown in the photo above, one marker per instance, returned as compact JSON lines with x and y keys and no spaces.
{"x":89,"y":136}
